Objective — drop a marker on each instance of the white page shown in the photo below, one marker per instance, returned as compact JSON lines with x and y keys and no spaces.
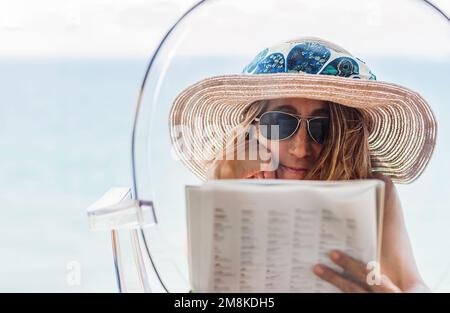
{"x":267,"y":238}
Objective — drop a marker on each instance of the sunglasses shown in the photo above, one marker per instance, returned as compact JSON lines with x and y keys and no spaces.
{"x":287,"y":125}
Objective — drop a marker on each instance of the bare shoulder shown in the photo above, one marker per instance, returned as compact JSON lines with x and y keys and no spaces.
{"x":387,"y":180}
{"x":388,"y":184}
{"x":392,"y":201}
{"x":397,"y":257}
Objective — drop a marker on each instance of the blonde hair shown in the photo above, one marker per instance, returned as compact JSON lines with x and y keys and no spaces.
{"x":345,"y":154}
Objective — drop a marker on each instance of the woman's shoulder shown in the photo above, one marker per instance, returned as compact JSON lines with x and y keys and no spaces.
{"x":386,"y":179}
{"x":389,"y":188}
{"x":390,"y":192}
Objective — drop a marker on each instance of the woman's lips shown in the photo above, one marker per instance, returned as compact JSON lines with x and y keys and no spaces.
{"x":294,"y":170}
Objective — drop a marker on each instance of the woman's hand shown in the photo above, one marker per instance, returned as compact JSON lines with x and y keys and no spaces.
{"x":264,"y":175}
{"x":356,"y":274}
{"x":232,"y":168}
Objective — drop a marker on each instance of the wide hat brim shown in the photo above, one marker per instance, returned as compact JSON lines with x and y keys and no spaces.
{"x":403,"y":128}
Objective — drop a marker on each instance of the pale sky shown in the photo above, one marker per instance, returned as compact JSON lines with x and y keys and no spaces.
{"x":133,"y":28}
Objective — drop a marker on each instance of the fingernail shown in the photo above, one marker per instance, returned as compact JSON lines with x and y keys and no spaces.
{"x":334,"y":255}
{"x":318,"y":269}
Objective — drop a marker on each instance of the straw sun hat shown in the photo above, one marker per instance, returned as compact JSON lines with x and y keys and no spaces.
{"x":401,"y":123}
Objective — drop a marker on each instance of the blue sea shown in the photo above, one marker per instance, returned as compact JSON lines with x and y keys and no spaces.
{"x":65,"y":132}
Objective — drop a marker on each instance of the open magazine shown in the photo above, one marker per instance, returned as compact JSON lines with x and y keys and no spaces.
{"x":266,"y":235}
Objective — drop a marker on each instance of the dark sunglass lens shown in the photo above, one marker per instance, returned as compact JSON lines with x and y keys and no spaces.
{"x":319,"y":129}
{"x":277,"y":125}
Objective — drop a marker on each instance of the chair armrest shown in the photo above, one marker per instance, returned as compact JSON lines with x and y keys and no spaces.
{"x":116,"y":210}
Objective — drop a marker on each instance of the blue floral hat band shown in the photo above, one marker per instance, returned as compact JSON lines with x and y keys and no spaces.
{"x":309,"y":56}
{"x":401,"y":123}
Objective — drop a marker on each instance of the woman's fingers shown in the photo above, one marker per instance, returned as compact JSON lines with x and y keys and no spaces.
{"x":386,"y":285}
{"x":359,"y":272}
{"x":269,"y":175}
{"x":243,"y":162}
{"x":258,"y":175}
{"x":336,"y":279}
{"x":229,"y":169}
{"x":355,"y":268}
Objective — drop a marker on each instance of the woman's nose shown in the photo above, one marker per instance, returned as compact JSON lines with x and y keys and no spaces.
{"x":300,"y":142}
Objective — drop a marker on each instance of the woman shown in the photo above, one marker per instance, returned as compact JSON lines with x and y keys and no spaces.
{"x":321,"y":114}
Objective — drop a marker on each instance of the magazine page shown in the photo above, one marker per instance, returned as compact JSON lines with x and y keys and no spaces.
{"x":250,"y":237}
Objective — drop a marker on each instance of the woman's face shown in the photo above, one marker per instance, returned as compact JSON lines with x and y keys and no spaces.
{"x":297,"y":154}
